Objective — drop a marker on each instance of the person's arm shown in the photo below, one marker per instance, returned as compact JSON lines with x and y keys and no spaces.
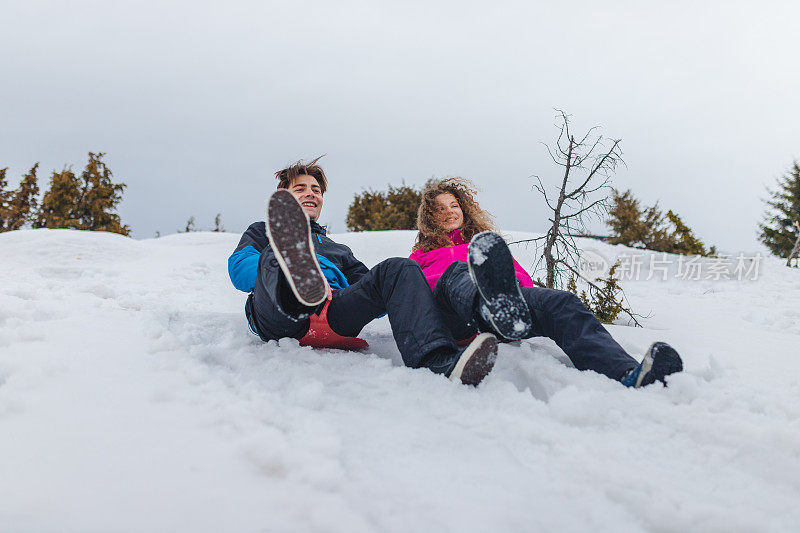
{"x":353,"y":269}
{"x":243,"y":262}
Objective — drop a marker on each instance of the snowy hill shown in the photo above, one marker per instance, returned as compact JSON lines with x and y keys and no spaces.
{"x":132,"y":398}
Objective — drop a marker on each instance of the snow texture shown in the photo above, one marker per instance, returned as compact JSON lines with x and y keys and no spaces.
{"x":132,"y":398}
{"x":479,"y":251}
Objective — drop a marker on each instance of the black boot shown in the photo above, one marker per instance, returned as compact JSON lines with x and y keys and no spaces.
{"x":501,"y":305}
{"x":661,"y":361}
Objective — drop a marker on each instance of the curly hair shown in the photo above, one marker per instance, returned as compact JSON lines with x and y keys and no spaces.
{"x":431,"y":234}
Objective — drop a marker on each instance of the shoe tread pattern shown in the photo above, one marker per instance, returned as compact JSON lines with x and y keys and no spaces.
{"x":491,"y":267}
{"x":665,"y":361}
{"x":289,"y":233}
{"x":481,"y":361}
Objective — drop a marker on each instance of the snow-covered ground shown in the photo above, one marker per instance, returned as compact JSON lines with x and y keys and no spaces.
{"x":132,"y":398}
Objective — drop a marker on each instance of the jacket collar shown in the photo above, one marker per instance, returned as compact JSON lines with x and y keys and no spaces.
{"x":316,"y":228}
{"x":455,"y":236}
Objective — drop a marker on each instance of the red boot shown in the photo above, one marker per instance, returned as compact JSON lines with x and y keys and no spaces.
{"x":320,"y":334}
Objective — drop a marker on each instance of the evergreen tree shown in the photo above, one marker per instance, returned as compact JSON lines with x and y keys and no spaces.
{"x":608,"y":301}
{"x":626,"y":220}
{"x":682,"y":239}
{"x":377,"y":210}
{"x":605,"y":301}
{"x":218,"y":223}
{"x":795,"y":253}
{"x":4,"y":196}
{"x":404,"y":203}
{"x":99,"y":198}
{"x":777,"y":231}
{"x":657,"y":236}
{"x":21,"y":206}
{"x":60,"y":205}
{"x":650,"y":229}
{"x":364,"y":211}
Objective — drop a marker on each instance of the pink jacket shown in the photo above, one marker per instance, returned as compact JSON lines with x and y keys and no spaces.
{"x":435,"y":262}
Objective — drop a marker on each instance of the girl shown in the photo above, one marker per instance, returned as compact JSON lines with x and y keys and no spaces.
{"x":479,"y":287}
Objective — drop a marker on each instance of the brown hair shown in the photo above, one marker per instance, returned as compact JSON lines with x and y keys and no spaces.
{"x":288,"y":174}
{"x":431,"y":233}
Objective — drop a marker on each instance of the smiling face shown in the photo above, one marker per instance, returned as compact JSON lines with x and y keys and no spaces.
{"x":308,"y":192}
{"x":449,"y":211}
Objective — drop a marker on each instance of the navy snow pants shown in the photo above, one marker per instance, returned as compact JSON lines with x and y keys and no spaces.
{"x":559,"y":315}
{"x":396,"y":287}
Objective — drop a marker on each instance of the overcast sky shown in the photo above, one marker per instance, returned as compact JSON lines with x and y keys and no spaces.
{"x":197,"y":104}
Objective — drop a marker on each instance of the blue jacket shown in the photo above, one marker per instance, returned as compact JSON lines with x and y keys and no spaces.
{"x":338,"y":263}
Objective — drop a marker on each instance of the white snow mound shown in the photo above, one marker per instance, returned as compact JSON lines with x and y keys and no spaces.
{"x":132,"y":398}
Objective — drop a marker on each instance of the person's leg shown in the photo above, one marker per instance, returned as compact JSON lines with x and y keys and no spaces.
{"x":457,"y":299}
{"x":561,"y":316}
{"x":398,"y":288}
{"x":289,"y":284}
{"x":276,"y":313}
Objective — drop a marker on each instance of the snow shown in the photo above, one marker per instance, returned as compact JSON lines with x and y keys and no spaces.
{"x":132,"y":398}
{"x":479,"y":249}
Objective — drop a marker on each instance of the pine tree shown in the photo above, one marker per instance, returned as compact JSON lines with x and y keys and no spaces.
{"x":4,"y":196}
{"x":657,"y":236}
{"x":795,"y":253}
{"x":650,"y":229}
{"x":625,"y":220}
{"x":605,"y":301}
{"x":23,"y":201}
{"x":683,"y":239}
{"x":60,"y":205}
{"x":376,"y":210}
{"x":218,"y":223}
{"x":608,"y":302}
{"x":404,"y":203}
{"x":365,"y":210}
{"x":778,"y":231}
{"x":99,"y":198}
{"x":633,"y":226}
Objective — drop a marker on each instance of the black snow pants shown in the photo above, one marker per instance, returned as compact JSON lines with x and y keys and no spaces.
{"x":559,"y":315}
{"x":396,"y":287}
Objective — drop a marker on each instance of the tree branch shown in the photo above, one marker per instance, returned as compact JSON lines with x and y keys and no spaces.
{"x":625,"y":310}
{"x":587,"y":208}
{"x":609,"y":154}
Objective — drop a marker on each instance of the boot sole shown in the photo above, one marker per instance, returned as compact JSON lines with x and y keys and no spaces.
{"x":661,"y":361}
{"x":289,"y":235}
{"x":491,"y":268}
{"x":476,"y":361}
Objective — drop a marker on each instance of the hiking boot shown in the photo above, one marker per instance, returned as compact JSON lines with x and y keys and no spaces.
{"x":501,"y":305}
{"x":661,"y":361}
{"x":476,"y":360}
{"x":289,"y":235}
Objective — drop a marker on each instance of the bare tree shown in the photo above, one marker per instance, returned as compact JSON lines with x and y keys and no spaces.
{"x":588,"y":163}
{"x":189,"y":226}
